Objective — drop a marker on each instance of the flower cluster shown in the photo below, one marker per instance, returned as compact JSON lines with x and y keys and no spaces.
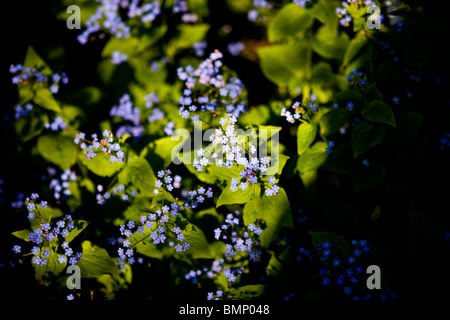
{"x":257,"y":12}
{"x":30,"y":76}
{"x":159,"y":225}
{"x":330,"y":145}
{"x":357,"y":78}
{"x":105,"y":145}
{"x":47,"y":235}
{"x":127,"y":111}
{"x":343,"y":12}
{"x":199,"y":48}
{"x":291,"y":116}
{"x":211,"y":273}
{"x":226,"y":143}
{"x":234,"y":48}
{"x":167,"y":182}
{"x":60,"y":185}
{"x":21,"y":112}
{"x":298,"y":111}
{"x":242,"y":240}
{"x":118,"y":191}
{"x":304,"y":254}
{"x":345,"y":271}
{"x":194,"y":197}
{"x":118,"y":57}
{"x":300,"y":3}
{"x":57,"y":124}
{"x":242,"y":246}
{"x":207,"y":82}
{"x":215,"y":296}
{"x":180,"y":6}
{"x":108,"y":17}
{"x":444,"y":141}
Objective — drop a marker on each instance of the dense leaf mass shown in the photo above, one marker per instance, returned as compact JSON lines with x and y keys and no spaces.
{"x":255,"y":149}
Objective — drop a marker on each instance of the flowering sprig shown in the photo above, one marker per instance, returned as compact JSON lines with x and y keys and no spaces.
{"x":163,"y":223}
{"x":345,"y":272}
{"x":105,"y":145}
{"x":116,"y":191}
{"x":298,"y":112}
{"x":208,"y":90}
{"x":357,"y":79}
{"x":242,"y":239}
{"x":48,"y":236}
{"x":241,"y":247}
{"x":34,"y":76}
{"x":57,"y":124}
{"x":60,"y":185}
{"x":21,"y":112}
{"x":108,"y":18}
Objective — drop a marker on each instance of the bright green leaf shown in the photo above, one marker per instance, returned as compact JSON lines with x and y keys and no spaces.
{"x":239,"y":196}
{"x":44,"y":98}
{"x":313,"y":158}
{"x":58,"y":149}
{"x":100,"y":164}
{"x":306,"y":133}
{"x":289,"y":21}
{"x":283,"y":63}
{"x":95,"y":261}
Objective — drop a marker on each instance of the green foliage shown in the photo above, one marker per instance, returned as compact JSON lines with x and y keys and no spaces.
{"x":58,"y":149}
{"x":363,"y":158}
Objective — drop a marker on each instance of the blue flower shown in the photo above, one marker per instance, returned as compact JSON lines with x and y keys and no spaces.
{"x":350,"y":105}
{"x":16,"y":249}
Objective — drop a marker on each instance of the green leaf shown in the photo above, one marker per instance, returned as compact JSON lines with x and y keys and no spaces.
{"x":188,"y":35}
{"x":354,"y":48}
{"x":22,"y":234}
{"x":332,"y":121}
{"x":248,"y":292}
{"x":100,"y":164}
{"x":255,"y":116}
{"x":306,"y":133}
{"x":58,"y":149}
{"x":379,"y":111}
{"x":277,"y":163}
{"x":139,"y":173}
{"x":44,"y":98}
{"x":340,"y":160}
{"x":289,"y":21}
{"x":33,"y":60}
{"x":79,"y":225}
{"x":348,"y":94}
{"x":223,"y":173}
{"x":52,"y":268}
{"x":330,"y":44}
{"x":365,"y":136}
{"x":324,"y":11}
{"x":159,"y":152}
{"x":198,"y":245}
{"x":274,"y":210}
{"x":313,"y":158}
{"x":95,"y":261}
{"x":282,"y":63}
{"x":239,"y":196}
